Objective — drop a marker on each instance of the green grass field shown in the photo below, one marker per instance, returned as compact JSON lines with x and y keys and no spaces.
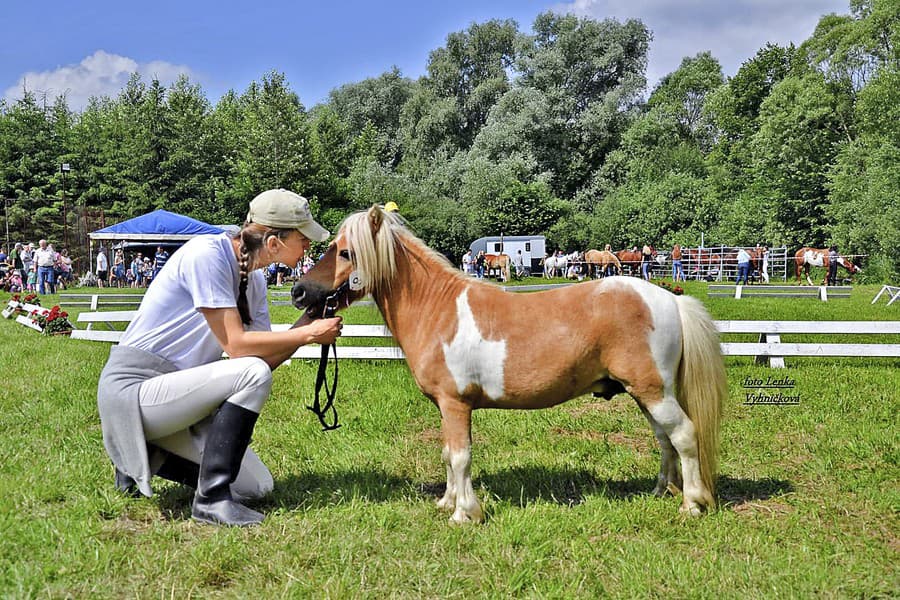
{"x":809,"y":494}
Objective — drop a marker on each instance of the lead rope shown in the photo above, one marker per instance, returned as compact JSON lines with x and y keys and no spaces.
{"x":331,"y":305}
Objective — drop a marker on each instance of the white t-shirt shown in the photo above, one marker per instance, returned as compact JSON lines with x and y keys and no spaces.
{"x":45,"y":257}
{"x":202,"y":274}
{"x":102,"y":263}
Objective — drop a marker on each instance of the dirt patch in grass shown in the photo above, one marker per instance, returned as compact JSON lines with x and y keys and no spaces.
{"x":429,"y":434}
{"x":615,"y":438}
{"x":771,"y":508}
{"x":614,"y":406}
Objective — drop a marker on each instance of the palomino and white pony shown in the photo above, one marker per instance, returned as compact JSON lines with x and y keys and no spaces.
{"x":805,"y":258}
{"x":498,"y":262}
{"x":463,"y":338}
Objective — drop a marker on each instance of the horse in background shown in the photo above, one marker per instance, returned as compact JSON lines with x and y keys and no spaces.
{"x":498,"y":262}
{"x":464,"y":339}
{"x":603,"y":263}
{"x":555,"y":266}
{"x":806,"y":258}
{"x":632,"y":259}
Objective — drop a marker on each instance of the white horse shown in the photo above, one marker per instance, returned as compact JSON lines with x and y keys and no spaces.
{"x":555,"y":266}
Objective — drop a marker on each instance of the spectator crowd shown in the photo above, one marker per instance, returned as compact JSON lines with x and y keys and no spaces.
{"x":39,"y":269}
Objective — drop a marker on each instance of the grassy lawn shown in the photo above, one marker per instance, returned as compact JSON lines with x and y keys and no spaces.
{"x":810,"y":494}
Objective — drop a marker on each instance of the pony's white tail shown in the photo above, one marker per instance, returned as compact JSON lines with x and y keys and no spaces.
{"x":702,"y":385}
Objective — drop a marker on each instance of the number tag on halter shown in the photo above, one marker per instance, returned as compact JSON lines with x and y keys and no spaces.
{"x":355,"y":281}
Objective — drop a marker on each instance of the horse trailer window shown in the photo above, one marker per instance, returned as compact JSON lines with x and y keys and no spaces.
{"x":527,"y":246}
{"x":497,"y":247}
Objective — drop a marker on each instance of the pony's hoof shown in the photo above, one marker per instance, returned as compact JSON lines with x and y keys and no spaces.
{"x":460,"y":517}
{"x":446,"y":503}
{"x":666,"y":488}
{"x":691,"y":510}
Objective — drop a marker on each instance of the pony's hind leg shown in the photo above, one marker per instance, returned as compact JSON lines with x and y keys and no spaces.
{"x":680,"y":430}
{"x":456,"y":424}
{"x":669,"y":479}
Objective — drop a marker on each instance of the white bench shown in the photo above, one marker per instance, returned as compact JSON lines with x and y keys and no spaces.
{"x":96,"y":301}
{"x":892,"y":293}
{"x":823,"y":293}
{"x":769,"y":347}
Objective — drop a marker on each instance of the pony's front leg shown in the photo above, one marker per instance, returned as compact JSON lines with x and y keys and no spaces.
{"x":448,"y":500}
{"x":456,"y":428}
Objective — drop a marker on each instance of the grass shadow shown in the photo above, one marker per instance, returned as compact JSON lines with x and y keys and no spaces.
{"x":317,"y":490}
{"x":520,"y":486}
{"x":737,"y":492}
{"x":523,"y":485}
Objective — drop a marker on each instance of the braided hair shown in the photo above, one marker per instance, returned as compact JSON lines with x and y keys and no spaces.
{"x":252,"y":238}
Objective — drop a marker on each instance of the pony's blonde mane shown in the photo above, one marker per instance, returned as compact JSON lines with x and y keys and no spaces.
{"x":374,"y":238}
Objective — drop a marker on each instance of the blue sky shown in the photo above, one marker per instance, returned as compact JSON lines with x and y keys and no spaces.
{"x":89,"y":48}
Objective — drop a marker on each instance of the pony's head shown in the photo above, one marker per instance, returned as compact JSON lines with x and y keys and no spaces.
{"x":359,"y":261}
{"x":844,"y":262}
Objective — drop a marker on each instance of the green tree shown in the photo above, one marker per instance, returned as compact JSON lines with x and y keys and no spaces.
{"x":591,"y":74}
{"x":375,"y":102}
{"x":683,"y":94}
{"x":864,"y":180}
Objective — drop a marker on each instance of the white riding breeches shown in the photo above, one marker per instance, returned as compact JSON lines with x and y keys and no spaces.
{"x":175,"y":411}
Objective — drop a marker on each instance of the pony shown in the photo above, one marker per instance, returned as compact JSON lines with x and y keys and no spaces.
{"x":463,"y":339}
{"x":805,"y":258}
{"x":499,"y":262}
{"x":602,"y":262}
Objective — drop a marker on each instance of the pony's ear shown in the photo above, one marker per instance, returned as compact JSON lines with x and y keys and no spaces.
{"x":376,"y":218}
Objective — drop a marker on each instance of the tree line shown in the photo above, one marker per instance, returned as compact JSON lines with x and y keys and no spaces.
{"x":548,"y":132}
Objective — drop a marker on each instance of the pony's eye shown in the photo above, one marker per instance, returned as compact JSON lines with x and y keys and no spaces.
{"x":345,"y":254}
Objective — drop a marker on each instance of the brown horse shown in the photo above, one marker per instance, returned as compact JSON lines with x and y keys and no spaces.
{"x":600,"y":261}
{"x":463,"y":339}
{"x":499,"y":262}
{"x":805,"y":258}
{"x":632,"y":259}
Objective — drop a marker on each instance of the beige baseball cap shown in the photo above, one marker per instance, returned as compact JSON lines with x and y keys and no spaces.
{"x":284,"y":209}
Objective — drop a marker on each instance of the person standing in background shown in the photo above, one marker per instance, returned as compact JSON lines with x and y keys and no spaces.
{"x":743,"y":263}
{"x":102,"y":267}
{"x":159,"y":260}
{"x":677,"y":271}
{"x":45,"y":259}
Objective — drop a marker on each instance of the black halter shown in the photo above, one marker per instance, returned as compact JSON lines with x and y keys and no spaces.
{"x":331,"y":306}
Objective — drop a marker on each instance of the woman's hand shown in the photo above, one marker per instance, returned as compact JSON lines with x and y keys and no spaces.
{"x":273,"y":347}
{"x":325,"y":331}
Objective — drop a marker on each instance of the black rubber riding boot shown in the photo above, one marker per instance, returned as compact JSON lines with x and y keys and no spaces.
{"x":227,"y":440}
{"x":126,"y":484}
{"x":180,"y":470}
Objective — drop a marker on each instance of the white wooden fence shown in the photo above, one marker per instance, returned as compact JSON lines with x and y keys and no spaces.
{"x":768,"y":347}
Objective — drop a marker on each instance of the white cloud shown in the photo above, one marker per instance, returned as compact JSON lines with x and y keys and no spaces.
{"x":100,"y":74}
{"x":732,"y":30}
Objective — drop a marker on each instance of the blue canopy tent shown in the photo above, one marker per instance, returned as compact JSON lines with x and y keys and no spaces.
{"x":155,"y":227}
{"x":158,"y":228}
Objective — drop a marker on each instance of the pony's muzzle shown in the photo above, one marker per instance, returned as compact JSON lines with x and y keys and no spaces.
{"x":306,"y":295}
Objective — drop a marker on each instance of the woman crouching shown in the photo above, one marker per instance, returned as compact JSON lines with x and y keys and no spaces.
{"x":169,"y":405}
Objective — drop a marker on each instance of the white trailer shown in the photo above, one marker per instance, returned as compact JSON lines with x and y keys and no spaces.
{"x":533,"y":248}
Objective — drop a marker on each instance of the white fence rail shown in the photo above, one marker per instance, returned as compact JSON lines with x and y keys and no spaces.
{"x":769,"y":347}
